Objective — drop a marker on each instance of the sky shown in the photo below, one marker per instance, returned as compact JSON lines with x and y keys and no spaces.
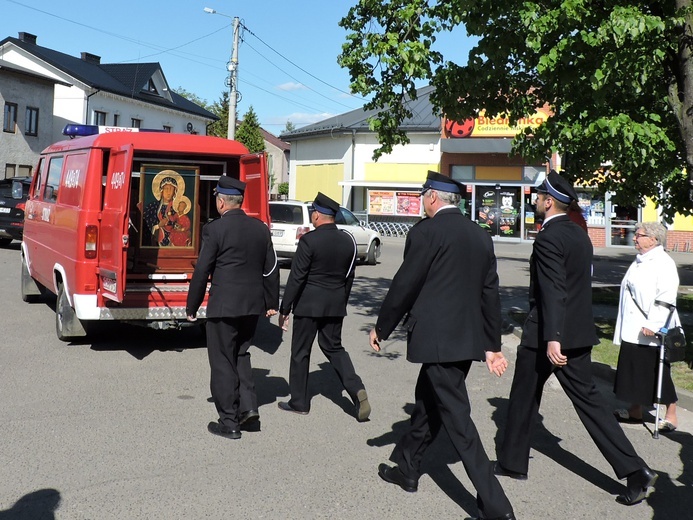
{"x":287,"y":56}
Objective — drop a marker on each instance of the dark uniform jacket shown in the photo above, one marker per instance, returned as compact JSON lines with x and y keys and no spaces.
{"x":449,"y":286}
{"x":560,"y":288}
{"x":322,"y":273}
{"x":237,"y":252}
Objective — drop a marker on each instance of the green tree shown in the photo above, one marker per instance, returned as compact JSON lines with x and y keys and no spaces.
{"x":290,"y":127}
{"x":618,"y":77}
{"x":219,"y":108}
{"x":249,"y":133}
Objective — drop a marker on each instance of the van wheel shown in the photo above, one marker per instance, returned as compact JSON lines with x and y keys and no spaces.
{"x":30,"y":289}
{"x":67,"y":325}
{"x":4,"y":242}
{"x":373,"y":253}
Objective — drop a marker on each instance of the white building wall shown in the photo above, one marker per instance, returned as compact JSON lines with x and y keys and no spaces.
{"x":18,"y":148}
{"x":74,"y":105}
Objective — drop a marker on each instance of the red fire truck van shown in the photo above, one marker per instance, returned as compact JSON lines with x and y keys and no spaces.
{"x":113,"y":222}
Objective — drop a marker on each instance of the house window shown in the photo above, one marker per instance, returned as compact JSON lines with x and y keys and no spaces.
{"x":151,"y":87}
{"x":31,"y":123}
{"x":99,"y":118}
{"x":10,"y":170}
{"x":135,"y":123}
{"x":116,"y":120}
{"x":10,"y":120}
{"x":167,"y":129}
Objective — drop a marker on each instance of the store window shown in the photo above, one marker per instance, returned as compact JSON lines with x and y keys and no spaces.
{"x":592,"y":205}
{"x":622,"y":223}
{"x":498,"y":210}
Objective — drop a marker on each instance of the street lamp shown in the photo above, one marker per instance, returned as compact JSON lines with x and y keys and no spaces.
{"x":233,"y":69}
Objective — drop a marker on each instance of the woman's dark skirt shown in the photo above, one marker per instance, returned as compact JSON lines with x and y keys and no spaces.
{"x":636,"y":376}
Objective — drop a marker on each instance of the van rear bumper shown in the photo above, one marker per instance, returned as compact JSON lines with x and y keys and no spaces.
{"x":86,"y":308}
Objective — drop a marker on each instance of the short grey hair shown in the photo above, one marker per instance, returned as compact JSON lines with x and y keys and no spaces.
{"x":233,"y":200}
{"x":655,"y":230}
{"x":448,"y":197}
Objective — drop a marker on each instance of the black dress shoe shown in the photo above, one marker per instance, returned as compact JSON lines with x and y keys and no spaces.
{"x":284,"y":405}
{"x":393,"y":475}
{"x":248,"y":417}
{"x":502,"y":472}
{"x":509,"y":516}
{"x":223,"y":431}
{"x":363,"y":407}
{"x":636,"y":486}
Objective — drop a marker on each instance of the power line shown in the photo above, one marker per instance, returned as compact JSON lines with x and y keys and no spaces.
{"x":301,"y":68}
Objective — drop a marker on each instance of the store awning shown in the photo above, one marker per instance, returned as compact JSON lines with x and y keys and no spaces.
{"x":476,"y":145}
{"x":354,"y":183}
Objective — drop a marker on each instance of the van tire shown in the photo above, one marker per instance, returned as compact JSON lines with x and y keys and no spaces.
{"x":372,"y":254}
{"x":67,"y":325}
{"x":30,"y":289}
{"x":4,"y":242}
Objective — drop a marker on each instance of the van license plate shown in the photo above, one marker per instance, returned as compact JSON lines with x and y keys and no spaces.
{"x":277,"y":232}
{"x":4,"y":210}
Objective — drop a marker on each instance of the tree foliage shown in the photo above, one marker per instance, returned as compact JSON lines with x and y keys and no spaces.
{"x":617,"y":76}
{"x":219,"y":108}
{"x":290,"y":127}
{"x":249,"y":133}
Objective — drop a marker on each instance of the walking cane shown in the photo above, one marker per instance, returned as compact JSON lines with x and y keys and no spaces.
{"x":658,"y":399}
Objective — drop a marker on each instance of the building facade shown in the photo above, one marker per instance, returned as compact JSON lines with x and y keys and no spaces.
{"x":82,"y":90}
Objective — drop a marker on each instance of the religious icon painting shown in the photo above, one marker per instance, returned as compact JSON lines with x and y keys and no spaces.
{"x":167,"y":196}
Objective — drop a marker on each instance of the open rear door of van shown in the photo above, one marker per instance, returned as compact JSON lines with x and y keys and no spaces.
{"x":113,"y":243}
{"x":254,"y":174}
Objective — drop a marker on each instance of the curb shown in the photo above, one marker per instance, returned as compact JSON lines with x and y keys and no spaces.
{"x":607,"y":374}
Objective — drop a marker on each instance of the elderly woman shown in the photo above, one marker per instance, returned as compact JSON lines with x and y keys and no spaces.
{"x":651,"y":277}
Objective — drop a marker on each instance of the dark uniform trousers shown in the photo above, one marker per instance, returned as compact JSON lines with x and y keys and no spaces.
{"x":532,"y":369}
{"x":442,"y":401}
{"x":329,"y":332}
{"x":228,"y":340}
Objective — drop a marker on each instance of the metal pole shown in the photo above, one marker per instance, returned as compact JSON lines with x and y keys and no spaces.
{"x":233,"y":69}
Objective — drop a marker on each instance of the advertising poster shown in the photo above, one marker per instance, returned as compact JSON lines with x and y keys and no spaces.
{"x":381,"y":202}
{"x":488,"y":210}
{"x":408,"y":203}
{"x":508,"y":212}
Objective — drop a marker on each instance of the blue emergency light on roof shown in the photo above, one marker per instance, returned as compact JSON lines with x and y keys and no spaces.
{"x":85,"y":130}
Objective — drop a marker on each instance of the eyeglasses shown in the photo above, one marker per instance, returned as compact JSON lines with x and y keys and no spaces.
{"x":424,"y":191}
{"x":640,"y":235}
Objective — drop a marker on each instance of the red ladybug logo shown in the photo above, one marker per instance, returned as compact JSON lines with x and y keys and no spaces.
{"x":457,"y":130}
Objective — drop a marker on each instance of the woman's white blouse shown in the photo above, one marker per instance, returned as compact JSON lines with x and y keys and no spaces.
{"x":652,"y":276}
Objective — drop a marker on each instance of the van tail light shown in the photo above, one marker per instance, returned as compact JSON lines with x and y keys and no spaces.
{"x":301,"y":230}
{"x":91,"y":234}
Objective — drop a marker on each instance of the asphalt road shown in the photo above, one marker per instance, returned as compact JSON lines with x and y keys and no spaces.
{"x":115,"y":428}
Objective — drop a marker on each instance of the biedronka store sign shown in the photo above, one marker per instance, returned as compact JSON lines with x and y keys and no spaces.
{"x":483,"y":126}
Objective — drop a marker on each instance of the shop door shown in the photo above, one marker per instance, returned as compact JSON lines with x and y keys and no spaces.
{"x":498,"y":210}
{"x":622,"y":223}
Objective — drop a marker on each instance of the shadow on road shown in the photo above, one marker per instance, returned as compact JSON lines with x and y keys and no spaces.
{"x":40,"y":504}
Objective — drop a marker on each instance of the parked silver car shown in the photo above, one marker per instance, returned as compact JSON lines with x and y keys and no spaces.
{"x":291,"y":220}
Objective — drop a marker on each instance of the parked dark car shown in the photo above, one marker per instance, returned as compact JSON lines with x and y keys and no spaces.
{"x":13,"y":194}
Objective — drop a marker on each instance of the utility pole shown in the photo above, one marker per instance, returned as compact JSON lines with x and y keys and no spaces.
{"x":233,"y":69}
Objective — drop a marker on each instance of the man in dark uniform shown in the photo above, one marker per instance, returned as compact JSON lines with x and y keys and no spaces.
{"x":557,"y":337}
{"x":447,"y":286}
{"x":237,"y":252}
{"x":322,"y":273}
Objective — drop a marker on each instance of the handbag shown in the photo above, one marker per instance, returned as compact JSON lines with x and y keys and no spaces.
{"x":673,"y":339}
{"x":674,"y":345}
